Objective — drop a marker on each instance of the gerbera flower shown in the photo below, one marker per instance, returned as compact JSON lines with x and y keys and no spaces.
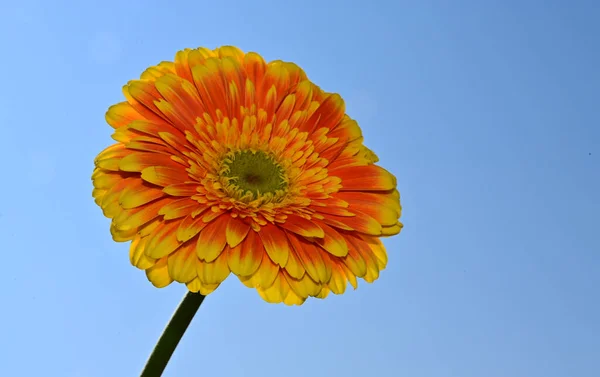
{"x":227,"y":164}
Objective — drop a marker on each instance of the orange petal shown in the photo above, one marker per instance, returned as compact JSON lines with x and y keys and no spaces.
{"x":215,"y":272}
{"x":236,"y":231}
{"x":332,"y":210}
{"x":371,"y":261}
{"x":386,"y":216}
{"x":276,"y":244}
{"x":302,"y":226}
{"x":176,"y":141}
{"x":159,"y":274}
{"x":304,"y":95}
{"x":150,"y":227}
{"x":121,"y":115}
{"x":144,"y":97}
{"x":328,"y":115}
{"x":333,"y":242}
{"x":236,"y":78}
{"x":190,"y":227}
{"x":154,"y":72}
{"x":139,"y":216}
{"x":361,"y":223}
{"x":186,"y":103}
{"x":182,"y":263}
{"x":331,"y":221}
{"x":230,"y":51}
{"x":138,"y":161}
{"x":285,"y":110}
{"x":148,"y":146}
{"x":181,"y":64}
{"x":245,"y":258}
{"x":105,"y":179}
{"x":255,"y":67}
{"x":275,"y":85}
{"x":138,"y":193}
{"x":178,"y":208}
{"x":350,"y":277}
{"x":338,"y":281}
{"x":152,"y":129}
{"x":347,"y":130}
{"x":182,"y":189}
{"x":164,"y":176}
{"x":294,"y":266}
{"x":209,"y":81}
{"x":198,"y":56}
{"x":354,"y":261}
{"x":370,"y":202}
{"x":212,"y":240}
{"x":164,"y":240}
{"x":378,"y":250}
{"x":311,"y":258}
{"x":111,"y":156}
{"x":368,"y":178}
{"x":110,"y":199}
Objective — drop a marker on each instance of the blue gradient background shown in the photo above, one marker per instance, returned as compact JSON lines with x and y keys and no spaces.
{"x":486,"y":111}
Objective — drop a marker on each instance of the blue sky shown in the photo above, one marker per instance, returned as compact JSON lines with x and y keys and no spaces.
{"x":487,"y":112}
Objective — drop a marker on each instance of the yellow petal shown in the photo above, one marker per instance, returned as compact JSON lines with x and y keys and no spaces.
{"x":159,"y":274}
{"x":293,"y":299}
{"x":333,"y":242}
{"x":392,"y":230}
{"x":276,"y":292}
{"x":197,"y":286}
{"x":338,"y":281}
{"x":189,"y":228}
{"x":236,"y":231}
{"x":303,"y":227}
{"x":138,"y":193}
{"x":182,"y":263}
{"x":266,"y":273}
{"x":211,"y":240}
{"x":119,"y":235}
{"x":121,"y":114}
{"x":324,"y":293}
{"x":312,"y":259}
{"x":245,"y":258}
{"x":164,"y":241}
{"x":304,"y":287}
{"x":137,"y":256}
{"x":294,"y":266}
{"x":354,"y":261}
{"x":215,"y":272}
{"x":178,"y":208}
{"x":276,"y":243}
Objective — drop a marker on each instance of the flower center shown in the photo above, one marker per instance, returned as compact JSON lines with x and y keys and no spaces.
{"x":250,"y":175}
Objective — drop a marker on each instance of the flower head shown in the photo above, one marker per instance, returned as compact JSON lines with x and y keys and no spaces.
{"x":227,"y":164}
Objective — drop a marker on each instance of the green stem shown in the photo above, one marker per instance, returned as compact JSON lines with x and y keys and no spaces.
{"x":172,"y":335}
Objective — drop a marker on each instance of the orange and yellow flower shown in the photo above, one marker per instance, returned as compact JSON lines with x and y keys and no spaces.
{"x":227,"y":164}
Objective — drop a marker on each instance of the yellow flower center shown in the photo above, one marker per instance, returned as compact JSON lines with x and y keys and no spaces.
{"x":249,"y":175}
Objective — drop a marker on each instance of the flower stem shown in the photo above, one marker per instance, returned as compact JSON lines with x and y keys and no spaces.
{"x":172,"y":335}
